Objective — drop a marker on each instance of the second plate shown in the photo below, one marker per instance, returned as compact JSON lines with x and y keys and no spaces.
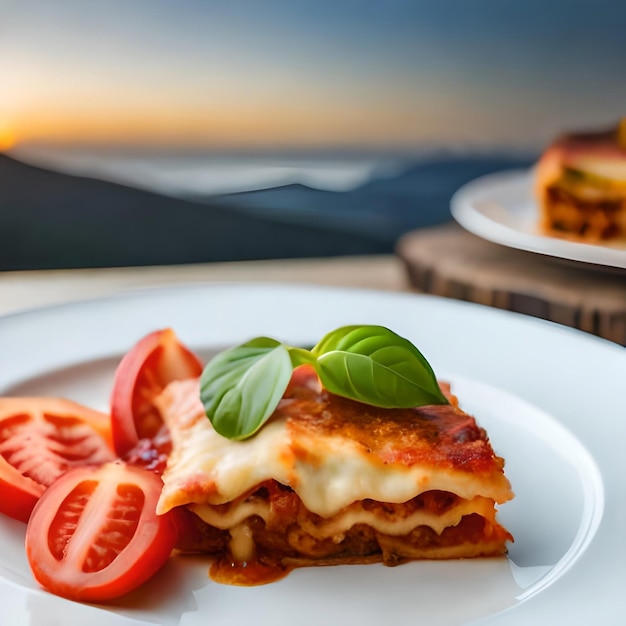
{"x":500,"y":208}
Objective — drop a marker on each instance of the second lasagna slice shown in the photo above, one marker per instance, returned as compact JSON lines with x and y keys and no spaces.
{"x":581,"y":187}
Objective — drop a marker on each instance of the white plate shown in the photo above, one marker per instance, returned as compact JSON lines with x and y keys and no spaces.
{"x":550,"y":397}
{"x":500,"y":208}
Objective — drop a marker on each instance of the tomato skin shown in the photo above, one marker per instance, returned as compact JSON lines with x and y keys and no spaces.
{"x":144,"y":371}
{"x":19,"y":494}
{"x":40,"y":439}
{"x":304,"y":379}
{"x":83,"y":516}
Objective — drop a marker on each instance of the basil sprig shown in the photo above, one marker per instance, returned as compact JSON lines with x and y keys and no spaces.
{"x":241,"y":387}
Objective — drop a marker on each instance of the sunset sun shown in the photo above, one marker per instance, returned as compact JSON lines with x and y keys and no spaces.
{"x":7,"y":139}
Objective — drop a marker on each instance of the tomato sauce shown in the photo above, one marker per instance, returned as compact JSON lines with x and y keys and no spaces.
{"x":151,"y":454}
{"x":227,"y":572}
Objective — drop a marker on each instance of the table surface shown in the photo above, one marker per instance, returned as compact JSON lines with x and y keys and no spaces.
{"x":30,"y":289}
{"x":445,"y":261}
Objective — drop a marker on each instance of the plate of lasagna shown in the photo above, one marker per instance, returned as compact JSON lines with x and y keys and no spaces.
{"x":498,"y":502}
{"x":571,"y":205}
{"x":502,"y":208}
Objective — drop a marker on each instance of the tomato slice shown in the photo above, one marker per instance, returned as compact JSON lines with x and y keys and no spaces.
{"x":94,"y":535}
{"x":41,"y":439}
{"x":148,"y":367}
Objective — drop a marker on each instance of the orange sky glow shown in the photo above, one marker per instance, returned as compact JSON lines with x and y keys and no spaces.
{"x":213,"y":77}
{"x":167,"y":121}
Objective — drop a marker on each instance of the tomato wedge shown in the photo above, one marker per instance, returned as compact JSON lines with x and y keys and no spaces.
{"x":41,"y":439}
{"x":148,"y":367}
{"x":94,"y":535}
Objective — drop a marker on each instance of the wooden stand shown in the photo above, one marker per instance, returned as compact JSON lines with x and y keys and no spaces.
{"x":451,"y":262}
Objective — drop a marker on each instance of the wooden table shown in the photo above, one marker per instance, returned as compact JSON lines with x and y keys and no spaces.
{"x":451,"y":262}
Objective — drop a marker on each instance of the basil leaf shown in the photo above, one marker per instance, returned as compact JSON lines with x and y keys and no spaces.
{"x":241,"y":387}
{"x":374,"y":365}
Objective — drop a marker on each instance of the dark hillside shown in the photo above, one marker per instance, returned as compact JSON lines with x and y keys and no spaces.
{"x":417,"y":197}
{"x":55,"y":220}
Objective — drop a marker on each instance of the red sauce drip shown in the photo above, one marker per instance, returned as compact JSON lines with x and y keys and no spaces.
{"x":254,"y":573}
{"x":151,"y":453}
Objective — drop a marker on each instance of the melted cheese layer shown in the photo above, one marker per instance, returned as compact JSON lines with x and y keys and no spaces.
{"x":613,"y":170}
{"x":327,"y":470}
{"x":349,"y":517}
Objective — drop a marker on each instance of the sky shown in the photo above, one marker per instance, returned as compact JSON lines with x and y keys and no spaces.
{"x":220,"y":75}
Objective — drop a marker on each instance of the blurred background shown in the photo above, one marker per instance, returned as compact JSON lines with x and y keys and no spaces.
{"x":143,"y":132}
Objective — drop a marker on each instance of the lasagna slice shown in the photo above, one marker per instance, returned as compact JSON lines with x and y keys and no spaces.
{"x":581,"y":187}
{"x":328,"y":480}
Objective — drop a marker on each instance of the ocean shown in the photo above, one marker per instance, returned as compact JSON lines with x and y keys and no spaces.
{"x":207,"y":174}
